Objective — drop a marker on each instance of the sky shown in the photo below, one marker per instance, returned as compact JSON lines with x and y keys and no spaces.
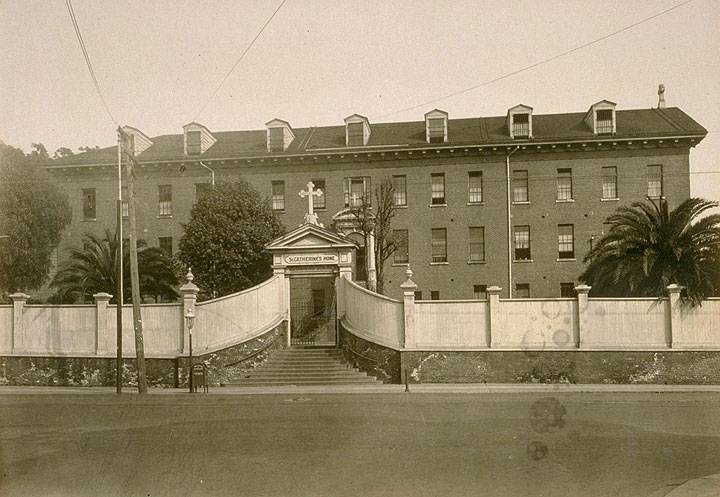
{"x":159,"y":64}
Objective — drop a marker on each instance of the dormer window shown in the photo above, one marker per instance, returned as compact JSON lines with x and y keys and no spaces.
{"x":136,"y":142}
{"x":279,"y":135}
{"x":194,"y":140}
{"x":197,"y":139}
{"x":604,"y":121}
{"x":601,"y":118}
{"x":519,"y":121}
{"x":357,"y":130}
{"x":436,"y":130}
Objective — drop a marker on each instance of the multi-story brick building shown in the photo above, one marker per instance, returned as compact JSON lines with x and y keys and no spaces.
{"x":567,"y":173}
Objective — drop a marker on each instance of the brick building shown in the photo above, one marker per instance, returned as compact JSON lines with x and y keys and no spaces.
{"x":568,"y":172}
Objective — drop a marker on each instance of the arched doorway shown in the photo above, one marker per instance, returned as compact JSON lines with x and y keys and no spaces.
{"x":361,"y":268}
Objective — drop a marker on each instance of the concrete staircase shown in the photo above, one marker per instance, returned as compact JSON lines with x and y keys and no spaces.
{"x":304,"y":366}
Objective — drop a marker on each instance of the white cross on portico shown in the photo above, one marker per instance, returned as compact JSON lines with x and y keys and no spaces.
{"x":310,"y":217}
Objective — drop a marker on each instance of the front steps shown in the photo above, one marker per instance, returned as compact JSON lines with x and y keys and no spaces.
{"x":304,"y":366}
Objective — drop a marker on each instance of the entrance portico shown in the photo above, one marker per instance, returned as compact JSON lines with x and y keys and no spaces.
{"x":312,"y":258}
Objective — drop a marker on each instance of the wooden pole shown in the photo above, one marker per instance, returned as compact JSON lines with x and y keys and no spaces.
{"x":135,"y":276}
{"x":119,"y":276}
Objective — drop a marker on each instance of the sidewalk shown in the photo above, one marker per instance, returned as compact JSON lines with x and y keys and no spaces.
{"x":429,"y":388}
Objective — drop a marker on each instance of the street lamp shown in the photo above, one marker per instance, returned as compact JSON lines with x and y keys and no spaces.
{"x":190,"y":321}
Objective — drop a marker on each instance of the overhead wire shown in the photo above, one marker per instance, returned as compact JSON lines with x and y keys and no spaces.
{"x":88,"y":62}
{"x":539,"y":63}
{"x":237,"y":62}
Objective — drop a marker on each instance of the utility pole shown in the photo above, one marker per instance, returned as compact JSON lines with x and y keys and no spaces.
{"x":119,"y":255}
{"x":134,"y":274}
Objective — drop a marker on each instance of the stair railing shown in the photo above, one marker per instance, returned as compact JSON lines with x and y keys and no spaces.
{"x":256,"y":353}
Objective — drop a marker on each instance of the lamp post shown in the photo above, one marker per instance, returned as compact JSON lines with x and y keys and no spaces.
{"x":190,"y":321}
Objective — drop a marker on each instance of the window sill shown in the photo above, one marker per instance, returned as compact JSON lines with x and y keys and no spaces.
{"x":477,"y":262}
{"x":616,"y":199}
{"x":446,"y":263}
{"x":279,"y":211}
{"x":476,"y":203}
{"x":437,"y":205}
{"x":522,"y":261}
{"x":89,"y":220}
{"x":400,"y":264}
{"x":524,"y":202}
{"x":661,"y":197}
{"x":165,"y":216}
{"x":566,"y":260}
{"x":565,"y":201}
{"x":400,"y":206}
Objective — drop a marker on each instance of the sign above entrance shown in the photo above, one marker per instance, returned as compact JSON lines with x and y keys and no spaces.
{"x":309,"y":259}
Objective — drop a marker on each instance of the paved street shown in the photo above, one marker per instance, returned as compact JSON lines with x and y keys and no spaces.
{"x":367,"y":444}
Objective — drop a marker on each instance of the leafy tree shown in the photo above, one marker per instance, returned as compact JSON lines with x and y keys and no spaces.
{"x":93,"y":269}
{"x":38,"y":153}
{"x":63,"y":152}
{"x":225,"y":238}
{"x":649,"y":247}
{"x":378,"y":222}
{"x":33,"y":214}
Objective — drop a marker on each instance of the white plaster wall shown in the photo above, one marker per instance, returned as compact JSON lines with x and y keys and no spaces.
{"x":700,"y":326}
{"x":450,"y":324}
{"x":373,"y":317}
{"x":58,"y":329}
{"x":624,"y":323}
{"x":6,"y":324}
{"x":544,"y":324}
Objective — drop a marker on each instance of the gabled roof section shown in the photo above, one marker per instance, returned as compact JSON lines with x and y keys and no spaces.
{"x":519,"y":108}
{"x":310,"y":236}
{"x":141,"y":141}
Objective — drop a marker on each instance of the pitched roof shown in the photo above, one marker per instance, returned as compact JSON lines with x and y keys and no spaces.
{"x":631,"y":124}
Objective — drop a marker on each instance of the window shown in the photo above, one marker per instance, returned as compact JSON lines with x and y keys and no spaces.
{"x":475,"y":190}
{"x":357,"y":190}
{"x":436,"y":130}
{"x":276,"y":139}
{"x":522,"y":290}
{"x":521,"y":125}
{"x":437,"y":182}
{"x":480,"y":292}
{"x":476,"y":244}
{"x":434,"y":294}
{"x":88,"y":195}
{"x":278,"y":195}
{"x":522,"y":243}
{"x":609,"y":182}
{"x":165,"y":243}
{"x":564,"y":184}
{"x":193,"y":142}
{"x":400,"y":190}
{"x":654,"y":181}
{"x":520,"y":186}
{"x":201,"y":189}
{"x":604,"y":121}
{"x":402,"y":252}
{"x":566,"y":244}
{"x":356,"y":137}
{"x":319,"y":201}
{"x":439,"y":245}
{"x":165,"y":200}
{"x":567,"y":290}
{"x":125,"y":205}
{"x":418,"y":294}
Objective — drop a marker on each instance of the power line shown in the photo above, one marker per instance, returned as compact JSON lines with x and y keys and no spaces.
{"x":78,"y":34}
{"x":237,"y":62}
{"x":539,"y":63}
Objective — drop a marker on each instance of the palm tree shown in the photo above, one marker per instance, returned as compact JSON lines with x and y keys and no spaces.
{"x":649,"y":247}
{"x":93,"y":269}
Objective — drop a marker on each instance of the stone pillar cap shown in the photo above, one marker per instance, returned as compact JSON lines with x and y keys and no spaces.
{"x":408,"y":284}
{"x":102,"y":296}
{"x":19,"y":296}
{"x":189,"y":287}
{"x":583,"y":288}
{"x":494,"y":289}
{"x":674,"y":288}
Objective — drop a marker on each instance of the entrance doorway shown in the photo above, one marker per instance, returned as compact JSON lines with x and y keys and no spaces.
{"x":312,"y":311}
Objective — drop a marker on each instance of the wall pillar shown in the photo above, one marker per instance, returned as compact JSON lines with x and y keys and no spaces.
{"x":189,"y":293}
{"x":409,"y":287}
{"x":493,"y":314}
{"x":101,"y":330}
{"x":673,"y":324}
{"x":17,"y":337}
{"x":582,"y":321}
{"x":370,"y":258}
